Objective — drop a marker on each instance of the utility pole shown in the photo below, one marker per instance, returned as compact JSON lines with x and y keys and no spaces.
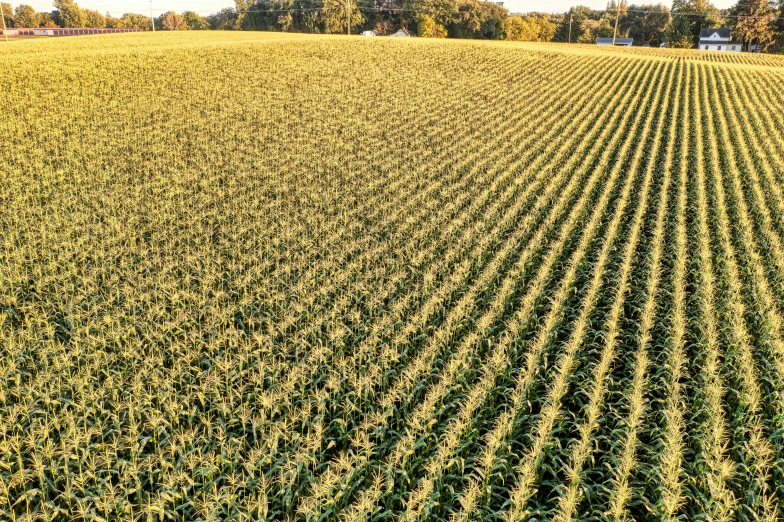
{"x":348,"y":17}
{"x":570,"y":27}
{"x":5,"y":33}
{"x":152,"y":19}
{"x":617,"y":16}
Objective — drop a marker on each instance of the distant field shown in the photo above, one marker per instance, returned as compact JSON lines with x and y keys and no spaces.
{"x":249,"y":276}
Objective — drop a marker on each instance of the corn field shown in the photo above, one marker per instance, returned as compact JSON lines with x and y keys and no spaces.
{"x":279,"y":277}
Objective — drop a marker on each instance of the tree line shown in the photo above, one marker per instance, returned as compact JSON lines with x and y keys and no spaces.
{"x":753,"y":21}
{"x":67,"y":13}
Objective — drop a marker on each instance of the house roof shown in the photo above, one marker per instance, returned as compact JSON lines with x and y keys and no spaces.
{"x":708,"y":32}
{"x":401,"y":32}
{"x":622,"y":41}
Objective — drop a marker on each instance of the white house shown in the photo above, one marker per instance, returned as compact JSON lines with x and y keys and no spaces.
{"x":622,"y":42}
{"x":718,"y":40}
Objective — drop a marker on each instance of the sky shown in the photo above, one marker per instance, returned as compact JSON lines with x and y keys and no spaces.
{"x":205,"y":7}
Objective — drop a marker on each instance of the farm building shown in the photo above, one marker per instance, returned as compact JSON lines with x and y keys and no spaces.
{"x":622,"y":42}
{"x":718,"y":40}
{"x":56,"y":31}
{"x":401,"y":33}
{"x":18,"y":32}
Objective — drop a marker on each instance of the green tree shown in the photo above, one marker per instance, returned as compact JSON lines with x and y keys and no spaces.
{"x":592,"y":29}
{"x":645,"y":23}
{"x":136,"y":21}
{"x":269,"y":15}
{"x":69,"y":14}
{"x":171,"y":21}
{"x":577,"y":15}
{"x":285,"y":21}
{"x":46,"y":20}
{"x":613,"y":8}
{"x":93,"y":19}
{"x":333,"y":16}
{"x":442,"y":12}
{"x":587,"y":24}
{"x":242,"y":7}
{"x":479,"y":19}
{"x":755,"y":23}
{"x":518,"y":29}
{"x":707,"y":16}
{"x":780,"y":28}
{"x":113,"y":22}
{"x":425,"y":26}
{"x":428,"y":28}
{"x":25,"y":16}
{"x":194,"y":21}
{"x":545,"y":26}
{"x":678,"y":33}
{"x":225,"y":19}
{"x":531,"y":28}
{"x":8,"y":13}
